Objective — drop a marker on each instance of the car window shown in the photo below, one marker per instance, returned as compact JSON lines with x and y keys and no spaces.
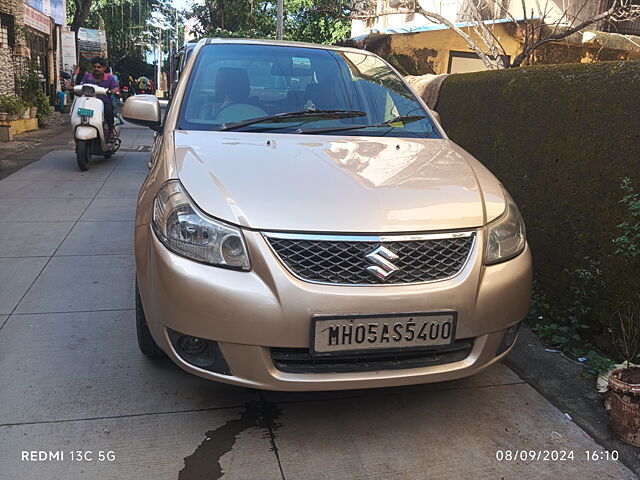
{"x":238,"y":82}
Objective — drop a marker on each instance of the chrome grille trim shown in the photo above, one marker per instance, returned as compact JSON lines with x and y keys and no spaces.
{"x":368,"y":238}
{"x":374,"y":241}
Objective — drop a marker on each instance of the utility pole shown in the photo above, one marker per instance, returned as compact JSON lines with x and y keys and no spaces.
{"x":280,"y":15}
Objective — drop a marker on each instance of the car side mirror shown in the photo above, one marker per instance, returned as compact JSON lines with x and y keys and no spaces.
{"x":143,"y":110}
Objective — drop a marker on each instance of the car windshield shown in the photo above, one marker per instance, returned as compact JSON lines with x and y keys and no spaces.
{"x":308,"y":90}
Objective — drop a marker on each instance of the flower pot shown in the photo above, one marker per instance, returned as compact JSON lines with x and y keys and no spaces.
{"x":624,"y":395}
{"x":3,"y":117}
{"x":26,"y":113}
{"x":33,"y":111}
{"x":13,"y":116}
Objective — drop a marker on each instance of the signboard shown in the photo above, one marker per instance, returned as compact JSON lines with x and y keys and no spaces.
{"x":58,"y":11}
{"x":91,"y":43}
{"x":43,"y":6}
{"x":55,"y":9}
{"x":36,"y":20}
{"x":68,"y":46}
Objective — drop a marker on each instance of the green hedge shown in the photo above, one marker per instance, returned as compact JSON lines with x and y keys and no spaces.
{"x":560,"y":138}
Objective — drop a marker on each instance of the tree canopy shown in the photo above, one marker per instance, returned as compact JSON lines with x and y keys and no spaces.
{"x":324,"y":21}
{"x":133,"y":27}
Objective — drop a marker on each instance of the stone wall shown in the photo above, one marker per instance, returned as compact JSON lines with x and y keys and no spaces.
{"x":12,"y":60}
{"x":6,"y":71}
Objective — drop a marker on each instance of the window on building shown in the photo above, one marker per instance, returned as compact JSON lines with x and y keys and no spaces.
{"x":7,"y":30}
{"x":465,"y":62}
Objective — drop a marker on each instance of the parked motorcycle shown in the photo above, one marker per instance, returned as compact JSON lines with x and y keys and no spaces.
{"x":90,"y":131}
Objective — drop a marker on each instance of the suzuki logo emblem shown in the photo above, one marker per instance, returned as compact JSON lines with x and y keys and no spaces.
{"x":381,"y":258}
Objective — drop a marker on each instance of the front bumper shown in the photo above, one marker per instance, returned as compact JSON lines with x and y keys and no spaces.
{"x":249,"y":312}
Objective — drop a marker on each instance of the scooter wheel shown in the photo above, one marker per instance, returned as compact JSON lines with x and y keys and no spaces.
{"x":83,"y":155}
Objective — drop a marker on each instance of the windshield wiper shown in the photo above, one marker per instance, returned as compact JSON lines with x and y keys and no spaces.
{"x":305,"y":115}
{"x":389,"y":123}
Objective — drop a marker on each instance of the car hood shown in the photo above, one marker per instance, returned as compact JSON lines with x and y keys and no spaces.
{"x":291,"y":182}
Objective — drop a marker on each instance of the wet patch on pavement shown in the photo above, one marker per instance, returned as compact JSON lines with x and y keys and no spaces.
{"x":204,"y":462}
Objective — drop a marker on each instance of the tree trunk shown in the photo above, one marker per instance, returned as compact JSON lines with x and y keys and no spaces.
{"x":279,"y":19}
{"x":83,"y":7}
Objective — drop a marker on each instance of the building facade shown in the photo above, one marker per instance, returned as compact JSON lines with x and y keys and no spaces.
{"x":12,"y":45}
{"x":378,"y":15}
{"x":30,"y":32}
{"x":418,"y":46}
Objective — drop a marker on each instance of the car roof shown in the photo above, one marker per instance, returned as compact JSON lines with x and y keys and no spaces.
{"x":188,"y":46}
{"x":281,"y":43}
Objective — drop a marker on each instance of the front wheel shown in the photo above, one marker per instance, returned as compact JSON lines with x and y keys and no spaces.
{"x":146,"y":343}
{"x":82,"y":154}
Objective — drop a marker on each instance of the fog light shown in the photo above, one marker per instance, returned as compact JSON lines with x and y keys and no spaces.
{"x":192,"y":345}
{"x":199,"y":352}
{"x":510,"y":335}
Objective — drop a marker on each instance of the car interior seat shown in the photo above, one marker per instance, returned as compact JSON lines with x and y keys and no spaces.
{"x":232,"y":90}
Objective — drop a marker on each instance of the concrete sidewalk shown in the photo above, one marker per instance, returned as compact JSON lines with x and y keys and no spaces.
{"x":73,"y":379}
{"x":31,"y":146}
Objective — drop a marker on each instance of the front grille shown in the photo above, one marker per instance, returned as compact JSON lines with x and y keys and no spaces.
{"x":343,"y":260}
{"x":299,"y":360}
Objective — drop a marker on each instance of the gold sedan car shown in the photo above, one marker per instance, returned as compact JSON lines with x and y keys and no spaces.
{"x":307,"y":225}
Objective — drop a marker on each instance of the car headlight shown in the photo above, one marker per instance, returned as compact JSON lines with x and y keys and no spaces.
{"x":506,"y":236}
{"x":184,"y":229}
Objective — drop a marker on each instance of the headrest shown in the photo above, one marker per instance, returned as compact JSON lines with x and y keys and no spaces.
{"x":232,"y":82}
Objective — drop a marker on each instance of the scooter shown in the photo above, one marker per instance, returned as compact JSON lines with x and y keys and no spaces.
{"x":90,"y":131}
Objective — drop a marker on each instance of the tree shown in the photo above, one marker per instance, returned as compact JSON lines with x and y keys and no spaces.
{"x":317,"y":21}
{"x":323,"y":21}
{"x":81,"y":9}
{"x":132,"y":27}
{"x":540,"y":24}
{"x":235,"y":18}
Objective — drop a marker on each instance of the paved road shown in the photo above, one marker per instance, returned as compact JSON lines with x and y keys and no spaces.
{"x":72,"y":379}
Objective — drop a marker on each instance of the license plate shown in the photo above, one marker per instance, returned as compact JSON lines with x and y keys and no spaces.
{"x":382,"y":332}
{"x":85,"y":112}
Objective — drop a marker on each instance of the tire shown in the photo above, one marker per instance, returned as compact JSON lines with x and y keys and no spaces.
{"x":146,"y":343}
{"x":82,"y":154}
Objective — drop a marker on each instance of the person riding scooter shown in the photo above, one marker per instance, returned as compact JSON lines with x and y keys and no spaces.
{"x":102,"y":79}
{"x":125,"y":85}
{"x":143,"y":85}
{"x":92,"y":115}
